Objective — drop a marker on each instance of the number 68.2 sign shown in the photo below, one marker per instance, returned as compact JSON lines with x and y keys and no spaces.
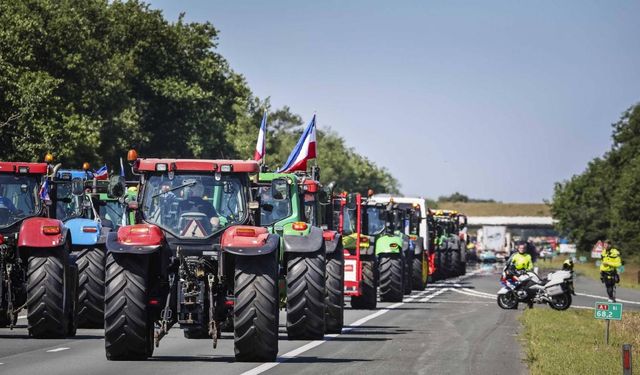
{"x":608,"y":311}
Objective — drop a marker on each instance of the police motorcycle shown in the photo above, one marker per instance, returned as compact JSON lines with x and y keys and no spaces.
{"x":527,"y":287}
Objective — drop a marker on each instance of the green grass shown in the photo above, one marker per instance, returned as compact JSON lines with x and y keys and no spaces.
{"x":572,"y":342}
{"x":497,"y":209}
{"x":628,"y":279}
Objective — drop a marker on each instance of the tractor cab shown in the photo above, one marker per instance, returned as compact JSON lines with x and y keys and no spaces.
{"x":20,"y":184}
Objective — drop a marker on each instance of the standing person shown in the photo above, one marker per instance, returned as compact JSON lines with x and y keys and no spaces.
{"x":609,"y":269}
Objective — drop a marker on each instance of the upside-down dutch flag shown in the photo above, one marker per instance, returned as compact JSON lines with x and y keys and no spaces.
{"x":102,"y":173}
{"x":261,"y":145}
{"x":305,"y":150}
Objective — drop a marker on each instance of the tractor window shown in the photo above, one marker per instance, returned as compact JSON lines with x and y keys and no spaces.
{"x":375,"y":220}
{"x":193,"y":205}
{"x":111,"y":213}
{"x":68,"y":205}
{"x":349,"y":223}
{"x":18,"y":198}
{"x":273,"y":207}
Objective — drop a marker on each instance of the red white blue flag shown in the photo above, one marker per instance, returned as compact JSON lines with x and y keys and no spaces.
{"x":44,"y":191}
{"x":102,"y":173}
{"x":261,"y":145}
{"x":304,"y":151}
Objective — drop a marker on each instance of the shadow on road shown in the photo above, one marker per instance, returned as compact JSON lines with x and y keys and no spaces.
{"x":326,"y":360}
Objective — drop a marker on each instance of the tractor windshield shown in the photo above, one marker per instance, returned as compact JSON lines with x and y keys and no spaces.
{"x":375,"y":220}
{"x":112,"y":214}
{"x":274,"y":206}
{"x":18,"y":198}
{"x":194,"y":205}
{"x":349,"y":223}
{"x":68,"y":205}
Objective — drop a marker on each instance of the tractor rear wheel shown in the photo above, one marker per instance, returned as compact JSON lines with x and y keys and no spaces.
{"x":454,"y":267}
{"x":416,"y":272}
{"x":255,"y":313}
{"x":305,"y":295}
{"x":91,"y":287}
{"x":128,"y":331}
{"x":334,"y":299}
{"x":49,"y":303}
{"x":369,"y":297}
{"x":391,"y":278}
{"x":406,"y":266}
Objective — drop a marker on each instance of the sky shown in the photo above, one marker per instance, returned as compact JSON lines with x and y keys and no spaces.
{"x":493,"y":99}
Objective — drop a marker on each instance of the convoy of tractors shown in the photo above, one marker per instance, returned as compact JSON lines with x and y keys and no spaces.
{"x":207,"y":246}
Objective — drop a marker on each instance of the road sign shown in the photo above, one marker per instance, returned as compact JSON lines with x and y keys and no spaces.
{"x":608,"y":311}
{"x":596,"y":252}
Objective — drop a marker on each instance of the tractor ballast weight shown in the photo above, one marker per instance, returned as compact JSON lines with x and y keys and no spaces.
{"x":37,"y":270}
{"x":194,"y":257}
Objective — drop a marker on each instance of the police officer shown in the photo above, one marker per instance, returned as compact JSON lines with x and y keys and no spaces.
{"x":521,"y":260}
{"x":609,"y":269}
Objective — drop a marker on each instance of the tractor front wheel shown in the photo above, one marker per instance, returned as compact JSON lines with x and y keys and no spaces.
{"x":91,"y":287}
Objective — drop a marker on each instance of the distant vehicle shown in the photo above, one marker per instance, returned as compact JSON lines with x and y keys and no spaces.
{"x":487,"y":256}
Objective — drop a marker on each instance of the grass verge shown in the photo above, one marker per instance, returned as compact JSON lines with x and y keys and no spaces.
{"x":572,"y":342}
{"x":628,"y":279}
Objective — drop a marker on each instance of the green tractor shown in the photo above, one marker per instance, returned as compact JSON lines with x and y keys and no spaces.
{"x":294,"y":206}
{"x":385,"y":222}
{"x":449,"y":243}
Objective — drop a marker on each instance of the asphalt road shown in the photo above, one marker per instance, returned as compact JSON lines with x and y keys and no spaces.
{"x":452,"y":327}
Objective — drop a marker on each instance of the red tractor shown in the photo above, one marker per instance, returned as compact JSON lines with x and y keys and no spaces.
{"x":196,"y":256}
{"x":36,"y":267}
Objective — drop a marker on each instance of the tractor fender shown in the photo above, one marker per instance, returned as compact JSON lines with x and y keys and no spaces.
{"x":32,"y":233}
{"x":135,"y":239}
{"x":331,"y":240}
{"x":304,"y":242}
{"x":85,"y":232}
{"x":246,"y":240}
{"x":388,"y":245}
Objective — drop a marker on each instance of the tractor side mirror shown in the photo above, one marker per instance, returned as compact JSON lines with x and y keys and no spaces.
{"x":116,"y":187}
{"x":77,"y":187}
{"x":280,"y":189}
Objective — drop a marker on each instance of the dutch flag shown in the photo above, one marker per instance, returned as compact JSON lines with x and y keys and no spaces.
{"x":102,"y":173}
{"x":261,"y":145}
{"x":305,"y":150}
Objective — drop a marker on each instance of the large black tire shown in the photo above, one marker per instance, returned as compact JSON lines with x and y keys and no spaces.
{"x":441,"y":264}
{"x":128,"y":330}
{"x":305,"y":295}
{"x":391,"y":278}
{"x":49,"y":296}
{"x":91,"y":287}
{"x":416,"y":272}
{"x":454,"y":266}
{"x":406,"y":266}
{"x":334,"y":299}
{"x":369,"y":297}
{"x":255,"y":314}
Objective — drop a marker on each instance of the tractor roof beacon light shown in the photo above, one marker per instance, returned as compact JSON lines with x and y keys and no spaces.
{"x":132,"y":155}
{"x":48,"y":158}
{"x":85,"y":166}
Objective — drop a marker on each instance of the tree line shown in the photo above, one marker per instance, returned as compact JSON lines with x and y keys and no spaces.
{"x":89,"y":79}
{"x":604,"y":200}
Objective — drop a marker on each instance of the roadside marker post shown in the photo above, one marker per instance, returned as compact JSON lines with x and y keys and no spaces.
{"x":607,"y":311}
{"x":627,"y":359}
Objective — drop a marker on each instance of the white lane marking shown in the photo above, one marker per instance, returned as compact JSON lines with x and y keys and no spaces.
{"x":479,"y":292}
{"x":464,"y":302}
{"x":473,"y":294}
{"x":57,"y":350}
{"x":429,"y":297}
{"x":296,"y":352}
{"x":22,"y":317}
{"x":605,"y":298}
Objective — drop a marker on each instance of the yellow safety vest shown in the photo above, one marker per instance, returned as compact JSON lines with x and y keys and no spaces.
{"x":610,"y":263}
{"x":522,"y":261}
